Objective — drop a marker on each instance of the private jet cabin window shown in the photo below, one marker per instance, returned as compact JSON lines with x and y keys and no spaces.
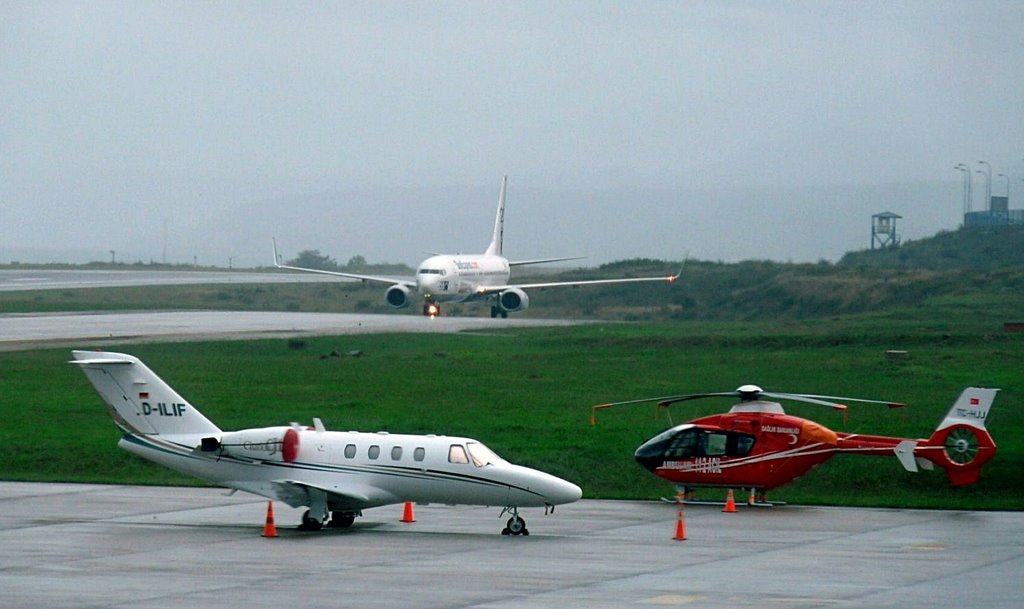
{"x":457,"y":454}
{"x":374,"y":452}
{"x":419,"y":454}
{"x":350,"y":451}
{"x":396,"y":453}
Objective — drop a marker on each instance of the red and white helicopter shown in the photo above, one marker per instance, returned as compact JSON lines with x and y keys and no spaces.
{"x":757,"y":446}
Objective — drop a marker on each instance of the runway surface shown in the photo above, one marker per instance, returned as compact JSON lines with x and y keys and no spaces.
{"x":86,"y":546}
{"x":36,"y":330}
{"x":44,"y":279}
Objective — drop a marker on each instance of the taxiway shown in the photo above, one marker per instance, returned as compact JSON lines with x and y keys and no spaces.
{"x":80,"y":546}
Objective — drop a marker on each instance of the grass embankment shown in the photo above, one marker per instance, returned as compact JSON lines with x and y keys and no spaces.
{"x":527,"y":394}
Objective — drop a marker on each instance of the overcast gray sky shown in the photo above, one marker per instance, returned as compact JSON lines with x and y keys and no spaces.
{"x":729,"y":130}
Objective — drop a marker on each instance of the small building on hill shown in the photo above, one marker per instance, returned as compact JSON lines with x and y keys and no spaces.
{"x":998,"y":214}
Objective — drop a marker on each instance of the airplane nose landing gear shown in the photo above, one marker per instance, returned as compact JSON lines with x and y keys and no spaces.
{"x":515,"y":524}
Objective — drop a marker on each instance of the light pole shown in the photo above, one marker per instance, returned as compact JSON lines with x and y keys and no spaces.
{"x":988,"y":185}
{"x":967,"y":186}
{"x":1003,"y":175}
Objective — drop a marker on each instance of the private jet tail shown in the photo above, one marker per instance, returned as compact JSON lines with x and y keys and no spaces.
{"x":494,"y":249}
{"x":961,"y":444}
{"x":141,"y":403}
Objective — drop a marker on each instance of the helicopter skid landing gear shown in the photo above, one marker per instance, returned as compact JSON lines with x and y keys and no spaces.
{"x":515,"y":524}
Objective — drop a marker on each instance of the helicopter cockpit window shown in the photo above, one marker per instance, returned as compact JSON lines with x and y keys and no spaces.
{"x":739,"y":445}
{"x":715,"y":445}
{"x":700,"y":443}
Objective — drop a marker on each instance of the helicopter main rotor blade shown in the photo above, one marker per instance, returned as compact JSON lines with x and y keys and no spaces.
{"x":888,"y":403}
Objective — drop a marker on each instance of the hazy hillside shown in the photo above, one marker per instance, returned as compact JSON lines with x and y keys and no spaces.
{"x":961,"y":263}
{"x":980,"y":249}
{"x":977,"y":270}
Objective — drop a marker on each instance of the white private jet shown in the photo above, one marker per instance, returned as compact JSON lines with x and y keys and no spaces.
{"x":468,"y":278}
{"x":335,"y":474}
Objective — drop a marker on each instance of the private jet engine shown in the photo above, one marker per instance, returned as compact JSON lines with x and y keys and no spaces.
{"x":512,"y":300}
{"x":265,"y":444}
{"x":398,"y":296}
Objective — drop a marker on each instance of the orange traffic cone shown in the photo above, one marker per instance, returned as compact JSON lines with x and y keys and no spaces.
{"x":680,"y":525}
{"x":407,"y":515}
{"x":730,"y":503}
{"x":269,"y":530}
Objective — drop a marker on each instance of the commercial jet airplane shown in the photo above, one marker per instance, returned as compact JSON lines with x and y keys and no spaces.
{"x":469,"y":278}
{"x":335,"y":474}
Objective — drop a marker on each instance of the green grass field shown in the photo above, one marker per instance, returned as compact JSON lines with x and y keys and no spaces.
{"x":528,"y":393}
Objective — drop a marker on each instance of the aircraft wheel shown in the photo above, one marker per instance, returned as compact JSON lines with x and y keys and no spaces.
{"x":515,"y":526}
{"x":310,"y":524}
{"x":341,"y":520}
{"x":494,"y":312}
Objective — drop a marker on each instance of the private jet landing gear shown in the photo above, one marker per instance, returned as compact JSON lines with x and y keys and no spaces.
{"x":337,"y":520}
{"x":341,"y":520}
{"x":309,"y":523}
{"x":496,"y":311}
{"x":515,"y":524}
{"x":431,"y":309}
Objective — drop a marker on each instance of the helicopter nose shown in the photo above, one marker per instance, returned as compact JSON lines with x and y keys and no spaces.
{"x":650,"y":455}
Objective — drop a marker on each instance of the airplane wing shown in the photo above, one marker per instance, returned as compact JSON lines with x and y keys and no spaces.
{"x":297,"y":494}
{"x":406,"y":281}
{"x":543,"y":261}
{"x":486,"y":290}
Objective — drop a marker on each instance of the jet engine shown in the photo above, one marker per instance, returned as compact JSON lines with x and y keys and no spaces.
{"x":265,"y":444}
{"x":513,"y":299}
{"x":398,"y":296}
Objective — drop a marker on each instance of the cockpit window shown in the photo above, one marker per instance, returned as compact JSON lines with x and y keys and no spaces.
{"x":426,"y":271}
{"x":700,"y":443}
{"x":457,"y":454}
{"x":482,"y":455}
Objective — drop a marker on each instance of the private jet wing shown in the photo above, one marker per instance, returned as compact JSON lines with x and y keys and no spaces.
{"x":297,"y":494}
{"x":486,"y":290}
{"x":408,"y":282}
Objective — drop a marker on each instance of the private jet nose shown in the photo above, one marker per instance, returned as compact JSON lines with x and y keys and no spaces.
{"x":553,"y":490}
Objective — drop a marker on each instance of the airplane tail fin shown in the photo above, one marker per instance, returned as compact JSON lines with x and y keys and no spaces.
{"x":494,"y":249}
{"x":961,"y":444}
{"x":139,"y":400}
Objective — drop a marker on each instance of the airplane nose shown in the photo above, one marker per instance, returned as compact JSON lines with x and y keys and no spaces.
{"x":537,"y":488}
{"x":557,"y":491}
{"x":567,"y":493}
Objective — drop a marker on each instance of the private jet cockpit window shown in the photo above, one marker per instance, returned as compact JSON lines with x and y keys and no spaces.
{"x":457,"y":454}
{"x":482,"y":455}
{"x":425,"y":271}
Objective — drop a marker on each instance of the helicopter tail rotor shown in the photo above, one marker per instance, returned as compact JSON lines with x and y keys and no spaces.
{"x":962,"y":445}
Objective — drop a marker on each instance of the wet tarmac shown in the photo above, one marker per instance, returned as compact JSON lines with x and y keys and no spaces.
{"x":86,"y":546}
